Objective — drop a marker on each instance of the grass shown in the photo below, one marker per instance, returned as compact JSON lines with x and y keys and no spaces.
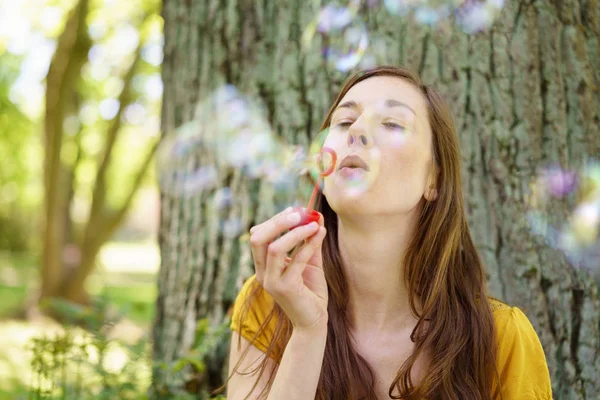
{"x":11,"y":297}
{"x":137,"y":302}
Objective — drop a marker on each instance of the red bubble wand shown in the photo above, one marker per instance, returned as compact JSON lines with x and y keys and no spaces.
{"x":311,"y":215}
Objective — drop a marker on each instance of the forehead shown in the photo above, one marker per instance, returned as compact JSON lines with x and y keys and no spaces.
{"x":376,"y":89}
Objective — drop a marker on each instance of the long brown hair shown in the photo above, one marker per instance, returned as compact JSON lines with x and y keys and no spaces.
{"x":442,"y":270}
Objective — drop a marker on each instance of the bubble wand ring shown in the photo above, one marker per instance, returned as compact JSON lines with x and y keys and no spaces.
{"x":310,"y":215}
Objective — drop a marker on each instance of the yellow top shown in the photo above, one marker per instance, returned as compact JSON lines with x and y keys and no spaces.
{"x":521,"y":361}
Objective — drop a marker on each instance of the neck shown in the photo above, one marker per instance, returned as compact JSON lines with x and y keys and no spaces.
{"x":372,"y":250}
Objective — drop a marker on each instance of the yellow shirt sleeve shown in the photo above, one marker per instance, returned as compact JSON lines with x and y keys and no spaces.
{"x":257,"y":312}
{"x":521,"y":361}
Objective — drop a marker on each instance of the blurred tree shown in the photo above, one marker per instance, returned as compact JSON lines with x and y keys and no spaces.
{"x":524,"y":93}
{"x":69,"y":254}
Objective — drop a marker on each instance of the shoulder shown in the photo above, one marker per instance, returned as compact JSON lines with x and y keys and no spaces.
{"x":521,"y":362}
{"x":511,"y":322}
{"x":251,"y":308}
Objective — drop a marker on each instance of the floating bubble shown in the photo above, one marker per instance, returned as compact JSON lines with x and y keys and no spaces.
{"x":578,"y":237}
{"x":344,"y":38}
{"x":428,"y":15}
{"x":427,"y":12}
{"x":239,"y":132}
{"x":356,"y":181}
{"x":400,"y":7}
{"x":470,"y":15}
{"x":227,"y":144}
{"x":474,"y":16}
{"x":350,"y":182}
{"x":228,"y":132}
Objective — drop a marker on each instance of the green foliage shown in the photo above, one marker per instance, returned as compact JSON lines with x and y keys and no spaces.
{"x":84,"y":364}
{"x":76,"y":363}
{"x":17,"y":169}
{"x":188,"y":370}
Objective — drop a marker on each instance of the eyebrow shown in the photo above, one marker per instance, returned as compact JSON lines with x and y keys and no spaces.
{"x":388,"y":103}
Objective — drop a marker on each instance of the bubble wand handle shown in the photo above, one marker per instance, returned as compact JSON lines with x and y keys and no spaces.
{"x":313,"y":198}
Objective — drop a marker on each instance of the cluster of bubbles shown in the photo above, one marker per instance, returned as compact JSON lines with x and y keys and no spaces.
{"x":344,"y":37}
{"x":578,"y":236}
{"x":230,"y":136}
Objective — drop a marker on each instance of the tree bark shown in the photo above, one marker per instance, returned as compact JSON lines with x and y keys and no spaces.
{"x":524,"y":94}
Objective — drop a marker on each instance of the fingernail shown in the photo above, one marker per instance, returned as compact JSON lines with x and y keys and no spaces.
{"x":312,"y":225}
{"x":294,"y":218}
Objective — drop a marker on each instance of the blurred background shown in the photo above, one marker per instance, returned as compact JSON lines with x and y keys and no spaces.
{"x":139,"y":141}
{"x":78,"y":125}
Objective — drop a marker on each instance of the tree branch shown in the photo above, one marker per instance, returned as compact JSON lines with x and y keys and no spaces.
{"x":99,"y":194}
{"x":113,"y":221}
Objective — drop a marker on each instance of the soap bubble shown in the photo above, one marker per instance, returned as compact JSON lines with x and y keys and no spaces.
{"x":472,"y":16}
{"x":228,"y":143}
{"x":577,"y":236}
{"x":357,"y":182}
{"x":352,"y":183}
{"x":228,"y":132}
{"x":476,"y":16}
{"x":343,"y":36}
{"x":427,"y":12}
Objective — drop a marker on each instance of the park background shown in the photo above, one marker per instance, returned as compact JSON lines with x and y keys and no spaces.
{"x":109,"y":239}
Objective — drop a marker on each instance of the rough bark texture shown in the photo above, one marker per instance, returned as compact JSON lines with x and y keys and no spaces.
{"x":524,"y":94}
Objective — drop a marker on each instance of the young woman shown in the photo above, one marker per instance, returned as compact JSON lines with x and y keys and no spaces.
{"x":385,"y":297}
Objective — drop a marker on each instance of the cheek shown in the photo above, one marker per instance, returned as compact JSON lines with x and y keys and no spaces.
{"x":404,"y":165}
{"x":333,"y":142}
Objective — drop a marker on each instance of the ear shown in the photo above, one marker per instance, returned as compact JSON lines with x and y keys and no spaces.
{"x":431,"y":193}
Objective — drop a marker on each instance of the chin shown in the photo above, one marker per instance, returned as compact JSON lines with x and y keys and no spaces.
{"x":344,"y":202}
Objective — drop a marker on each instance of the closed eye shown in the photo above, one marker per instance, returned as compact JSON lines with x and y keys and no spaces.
{"x":393,"y":126}
{"x":343,"y":124}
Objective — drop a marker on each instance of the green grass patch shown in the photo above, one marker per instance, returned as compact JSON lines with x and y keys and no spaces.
{"x":11,"y":297}
{"x":136,"y":302}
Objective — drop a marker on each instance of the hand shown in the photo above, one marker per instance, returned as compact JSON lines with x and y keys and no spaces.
{"x":296,"y":283}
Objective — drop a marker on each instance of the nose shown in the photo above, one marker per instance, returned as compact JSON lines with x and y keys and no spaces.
{"x":362,"y":138}
{"x":358,"y":134}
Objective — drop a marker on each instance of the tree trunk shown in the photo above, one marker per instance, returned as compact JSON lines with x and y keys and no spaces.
{"x":63,"y":74}
{"x":524,"y":94}
{"x":61,"y":276}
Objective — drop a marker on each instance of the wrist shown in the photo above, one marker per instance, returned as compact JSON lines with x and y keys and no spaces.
{"x":316,"y":330}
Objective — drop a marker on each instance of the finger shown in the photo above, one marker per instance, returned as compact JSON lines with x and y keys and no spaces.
{"x":256,"y":227}
{"x":298,"y":263}
{"x":277,"y":251}
{"x":260,"y":239}
{"x":269,"y":230}
{"x":321,"y":224}
{"x":321,"y":221}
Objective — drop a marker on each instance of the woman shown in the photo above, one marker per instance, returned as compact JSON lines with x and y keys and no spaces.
{"x":385,"y":297}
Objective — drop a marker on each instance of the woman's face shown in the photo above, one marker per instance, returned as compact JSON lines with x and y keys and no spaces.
{"x":383,"y":120}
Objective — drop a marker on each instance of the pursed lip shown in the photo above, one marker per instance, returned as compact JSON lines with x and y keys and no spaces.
{"x":353,"y":161}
